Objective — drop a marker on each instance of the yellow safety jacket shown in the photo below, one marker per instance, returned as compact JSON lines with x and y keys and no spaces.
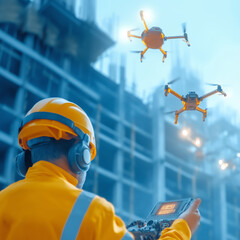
{"x":39,"y":206}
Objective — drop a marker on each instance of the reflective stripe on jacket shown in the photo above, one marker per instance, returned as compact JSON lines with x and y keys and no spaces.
{"x":77,"y":215}
{"x":39,"y":207}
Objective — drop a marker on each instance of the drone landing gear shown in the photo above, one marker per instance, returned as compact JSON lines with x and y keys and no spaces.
{"x":204,"y":112}
{"x":164,"y":54}
{"x":178,"y":112}
{"x":176,"y":118}
{"x":142,"y":54}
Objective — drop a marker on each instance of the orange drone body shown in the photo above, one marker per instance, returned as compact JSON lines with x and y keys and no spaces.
{"x":191,"y":100}
{"x":154,"y":38}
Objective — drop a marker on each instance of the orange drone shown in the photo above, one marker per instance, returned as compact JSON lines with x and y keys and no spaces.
{"x":191,"y":100}
{"x":154,"y":38}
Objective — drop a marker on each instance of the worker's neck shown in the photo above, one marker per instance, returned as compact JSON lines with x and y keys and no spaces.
{"x":63,"y":163}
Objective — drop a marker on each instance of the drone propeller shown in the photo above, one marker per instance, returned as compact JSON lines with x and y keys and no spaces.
{"x":129,"y":33}
{"x":185,"y":34}
{"x":170,"y":112}
{"x":219,"y":88}
{"x":136,"y":51}
{"x":184,"y":28}
{"x":215,"y":84}
{"x":212,"y":84}
{"x":173,"y":81}
{"x":134,"y":29}
{"x":142,"y":57}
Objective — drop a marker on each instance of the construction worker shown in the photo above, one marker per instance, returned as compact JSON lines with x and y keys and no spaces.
{"x":58,"y":145}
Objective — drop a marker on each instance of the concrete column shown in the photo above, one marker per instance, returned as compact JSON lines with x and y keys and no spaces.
{"x":64,"y":84}
{"x":159,"y":145}
{"x":120,"y":155}
{"x":220,"y":210}
{"x":19,"y":110}
{"x":86,"y":10}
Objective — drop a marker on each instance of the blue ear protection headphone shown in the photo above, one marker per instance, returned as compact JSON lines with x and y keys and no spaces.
{"x":79,"y":155}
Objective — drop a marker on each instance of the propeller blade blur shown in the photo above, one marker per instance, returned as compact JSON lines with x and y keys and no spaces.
{"x":170,"y":112}
{"x":184,"y":27}
{"x":135,"y":51}
{"x":212,"y":84}
{"x":173,"y":81}
{"x":134,"y":29}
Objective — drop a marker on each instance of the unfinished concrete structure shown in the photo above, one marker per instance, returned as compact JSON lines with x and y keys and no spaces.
{"x":45,"y":50}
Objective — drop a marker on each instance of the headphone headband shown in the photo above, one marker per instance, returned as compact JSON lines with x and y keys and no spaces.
{"x":52,"y":116}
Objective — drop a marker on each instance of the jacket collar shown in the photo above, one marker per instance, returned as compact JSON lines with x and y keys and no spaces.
{"x":41,"y":170}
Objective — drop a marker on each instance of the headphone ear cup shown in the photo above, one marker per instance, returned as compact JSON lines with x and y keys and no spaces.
{"x":79,"y":157}
{"x":23,"y":162}
{"x":20,"y":164}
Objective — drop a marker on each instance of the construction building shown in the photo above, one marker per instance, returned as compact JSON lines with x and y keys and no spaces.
{"x":46,"y":50}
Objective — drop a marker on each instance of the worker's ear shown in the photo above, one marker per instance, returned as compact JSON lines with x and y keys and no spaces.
{"x":23,"y":162}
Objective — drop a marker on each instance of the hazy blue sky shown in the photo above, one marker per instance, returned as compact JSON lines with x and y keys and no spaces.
{"x":213,"y":28}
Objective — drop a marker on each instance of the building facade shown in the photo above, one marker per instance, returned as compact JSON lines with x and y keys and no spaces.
{"x":46,"y":51}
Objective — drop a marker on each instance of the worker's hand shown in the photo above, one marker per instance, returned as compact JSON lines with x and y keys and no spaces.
{"x":192,"y":215}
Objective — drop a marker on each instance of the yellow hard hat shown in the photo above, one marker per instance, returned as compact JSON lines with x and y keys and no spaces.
{"x":56,"y":118}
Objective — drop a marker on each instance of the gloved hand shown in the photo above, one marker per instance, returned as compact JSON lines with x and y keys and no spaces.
{"x":192,"y":215}
{"x":137,"y":223}
{"x":142,"y":232}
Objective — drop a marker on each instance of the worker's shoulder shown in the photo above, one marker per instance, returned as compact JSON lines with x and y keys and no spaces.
{"x":10,"y":188}
{"x":102,"y":202}
{"x":102,"y":205}
{"x":9,"y":192}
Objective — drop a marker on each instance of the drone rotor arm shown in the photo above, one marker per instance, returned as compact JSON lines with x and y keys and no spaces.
{"x":131,"y":35}
{"x":144,"y":22}
{"x":223,"y":93}
{"x":219,"y":88}
{"x":177,"y":114}
{"x":174,"y":37}
{"x":208,"y":94}
{"x":175,"y":94}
